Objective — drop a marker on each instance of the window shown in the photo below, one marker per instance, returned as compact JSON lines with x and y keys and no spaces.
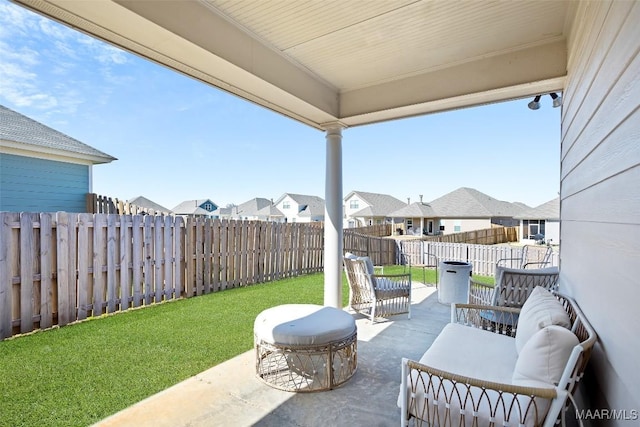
{"x":531,"y":227}
{"x":286,"y":205}
{"x":207,"y":207}
{"x":457,"y":226}
{"x":354,"y":204}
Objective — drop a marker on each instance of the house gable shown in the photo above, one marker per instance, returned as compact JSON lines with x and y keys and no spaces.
{"x":43,"y":170}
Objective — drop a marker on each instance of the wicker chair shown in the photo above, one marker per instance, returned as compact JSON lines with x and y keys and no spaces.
{"x":531,"y":257}
{"x":513,"y":286}
{"x":376,"y":295}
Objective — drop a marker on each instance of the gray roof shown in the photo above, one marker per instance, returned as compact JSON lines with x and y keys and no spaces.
{"x":15,"y":127}
{"x":270,"y":211}
{"x":470,"y":203}
{"x":548,"y":210}
{"x":414,"y":210}
{"x":379,"y":204}
{"x":223,"y":212}
{"x":192,"y":207}
{"x":258,"y":206}
{"x":143,"y":202}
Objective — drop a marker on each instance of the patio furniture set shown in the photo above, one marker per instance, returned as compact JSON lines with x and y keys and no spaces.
{"x":511,"y":355}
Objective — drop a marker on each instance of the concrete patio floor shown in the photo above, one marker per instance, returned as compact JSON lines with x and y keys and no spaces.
{"x":229,"y":394}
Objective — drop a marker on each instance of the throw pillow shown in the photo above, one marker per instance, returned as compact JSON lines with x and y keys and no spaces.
{"x":544,"y":356}
{"x":541,"y":309}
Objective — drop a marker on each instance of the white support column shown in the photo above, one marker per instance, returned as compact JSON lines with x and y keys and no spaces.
{"x":333,"y":234}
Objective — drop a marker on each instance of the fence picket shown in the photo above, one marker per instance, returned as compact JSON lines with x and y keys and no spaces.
{"x":99,"y":254}
{"x":168,"y":259}
{"x":208,"y":236}
{"x":46,"y":271}
{"x":178,"y":265}
{"x":137,"y":242}
{"x":26,"y":272}
{"x":147,"y":256}
{"x":125,"y":262}
{"x":111,"y":263}
{"x":158,"y":258}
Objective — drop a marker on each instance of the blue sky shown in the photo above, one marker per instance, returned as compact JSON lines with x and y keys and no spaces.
{"x":178,"y":139}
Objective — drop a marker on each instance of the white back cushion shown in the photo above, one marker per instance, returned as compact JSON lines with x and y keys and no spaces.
{"x":541,"y":309}
{"x":349,"y":255}
{"x":544,"y":357}
{"x":369,"y":264}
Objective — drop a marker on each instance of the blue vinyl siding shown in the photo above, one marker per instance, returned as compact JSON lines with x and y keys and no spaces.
{"x":37,"y":185}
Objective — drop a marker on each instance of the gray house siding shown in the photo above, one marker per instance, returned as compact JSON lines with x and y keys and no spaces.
{"x":600,"y":194}
{"x":30,"y":184}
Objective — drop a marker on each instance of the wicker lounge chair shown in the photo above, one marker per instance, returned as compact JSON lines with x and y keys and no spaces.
{"x":532,"y":257}
{"x":376,"y":295}
{"x":533,"y":369}
{"x":513,"y":286}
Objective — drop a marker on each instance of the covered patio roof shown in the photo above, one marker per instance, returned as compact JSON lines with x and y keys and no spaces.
{"x":350,"y":63}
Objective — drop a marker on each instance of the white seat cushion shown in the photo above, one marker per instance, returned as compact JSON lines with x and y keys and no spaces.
{"x":303,"y":324}
{"x":473,"y":352}
{"x":540,"y":310}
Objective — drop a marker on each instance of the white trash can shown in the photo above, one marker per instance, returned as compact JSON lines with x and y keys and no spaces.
{"x":454,"y":282}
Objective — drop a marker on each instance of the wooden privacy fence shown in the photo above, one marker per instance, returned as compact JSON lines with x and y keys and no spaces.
{"x":56,"y":268}
{"x":482,"y":257}
{"x":487,"y":236}
{"x":103,"y":204}
{"x":382,"y":251}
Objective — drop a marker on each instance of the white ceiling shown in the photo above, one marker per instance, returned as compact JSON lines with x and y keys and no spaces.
{"x":352,"y":62}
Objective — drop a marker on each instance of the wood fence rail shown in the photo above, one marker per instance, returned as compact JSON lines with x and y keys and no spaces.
{"x":56,"y":268}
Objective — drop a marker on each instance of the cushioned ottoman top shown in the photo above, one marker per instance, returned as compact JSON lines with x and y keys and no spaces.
{"x":303,"y":324}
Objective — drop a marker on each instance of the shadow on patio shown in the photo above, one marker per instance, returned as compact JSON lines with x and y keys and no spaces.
{"x":230,"y":393}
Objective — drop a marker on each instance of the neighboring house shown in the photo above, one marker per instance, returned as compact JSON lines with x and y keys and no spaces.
{"x":256,"y":209}
{"x":202,"y":207}
{"x":419,"y":218}
{"x":464,"y":209}
{"x":43,"y":170}
{"x":301,"y":208}
{"x":541,"y":223}
{"x":260,"y":209}
{"x":362,"y":208}
{"x":148,"y":205}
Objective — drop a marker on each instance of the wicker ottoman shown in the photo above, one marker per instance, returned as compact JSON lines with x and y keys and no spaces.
{"x":305,"y":347}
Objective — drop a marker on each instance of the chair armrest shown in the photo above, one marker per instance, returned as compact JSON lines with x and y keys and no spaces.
{"x":392,"y":276}
{"x":498,"y":319}
{"x":508,"y":259}
{"x":391,"y":282}
{"x":480,"y":293}
{"x":426,"y":393}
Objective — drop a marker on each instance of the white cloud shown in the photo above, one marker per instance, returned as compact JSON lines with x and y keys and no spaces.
{"x":13,"y":18}
{"x":49,"y":66}
{"x":103,"y":52}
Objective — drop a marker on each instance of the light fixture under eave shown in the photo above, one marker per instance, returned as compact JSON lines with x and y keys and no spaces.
{"x":535,"y":104}
{"x":557,"y":100}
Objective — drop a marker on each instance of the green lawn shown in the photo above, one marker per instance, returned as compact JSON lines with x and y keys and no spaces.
{"x":79,"y":374}
{"x":82,"y":373}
